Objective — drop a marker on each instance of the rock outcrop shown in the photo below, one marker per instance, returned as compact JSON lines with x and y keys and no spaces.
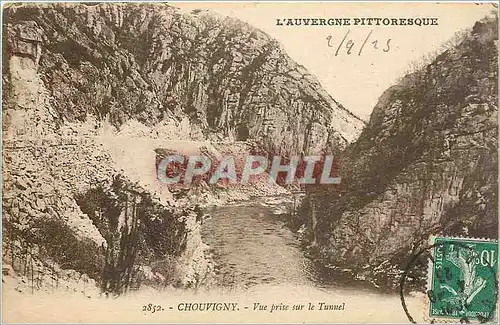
{"x":426,"y":164}
{"x":86,"y":86}
{"x":153,"y":63}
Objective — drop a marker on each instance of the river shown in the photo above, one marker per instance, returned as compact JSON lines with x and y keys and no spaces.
{"x":255,"y":251}
{"x":252,"y":245}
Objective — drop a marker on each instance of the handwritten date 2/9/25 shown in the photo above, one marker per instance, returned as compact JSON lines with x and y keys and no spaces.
{"x":351,"y":46}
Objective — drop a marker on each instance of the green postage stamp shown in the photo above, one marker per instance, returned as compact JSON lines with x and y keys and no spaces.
{"x":463,"y":283}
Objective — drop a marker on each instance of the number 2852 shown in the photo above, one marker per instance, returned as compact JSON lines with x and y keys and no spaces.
{"x":151,"y":308}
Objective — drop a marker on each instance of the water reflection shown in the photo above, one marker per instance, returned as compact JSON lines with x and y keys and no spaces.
{"x":252,"y":246}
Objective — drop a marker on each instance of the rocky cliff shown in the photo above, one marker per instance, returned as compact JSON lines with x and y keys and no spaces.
{"x":426,"y":164}
{"x":155,"y":64}
{"x":90,"y":90}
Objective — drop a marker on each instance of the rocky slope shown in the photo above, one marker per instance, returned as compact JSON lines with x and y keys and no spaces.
{"x":91,"y":90}
{"x":153,"y":63}
{"x":427,"y":163}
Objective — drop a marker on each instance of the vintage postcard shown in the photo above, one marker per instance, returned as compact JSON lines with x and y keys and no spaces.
{"x":257,"y":162}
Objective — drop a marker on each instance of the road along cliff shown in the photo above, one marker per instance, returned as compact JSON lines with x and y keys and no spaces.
{"x":90,"y":91}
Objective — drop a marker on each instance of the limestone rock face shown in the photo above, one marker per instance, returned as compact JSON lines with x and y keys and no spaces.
{"x":153,"y":63}
{"x":82,"y":82}
{"x":426,"y":164}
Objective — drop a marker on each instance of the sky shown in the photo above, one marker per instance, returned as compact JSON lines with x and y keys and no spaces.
{"x":356,"y":80}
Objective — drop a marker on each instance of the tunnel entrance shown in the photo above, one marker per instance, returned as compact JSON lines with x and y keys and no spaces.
{"x":242,"y":132}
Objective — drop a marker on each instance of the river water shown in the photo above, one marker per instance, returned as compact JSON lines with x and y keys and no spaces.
{"x":255,"y":251}
{"x":251,"y":245}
